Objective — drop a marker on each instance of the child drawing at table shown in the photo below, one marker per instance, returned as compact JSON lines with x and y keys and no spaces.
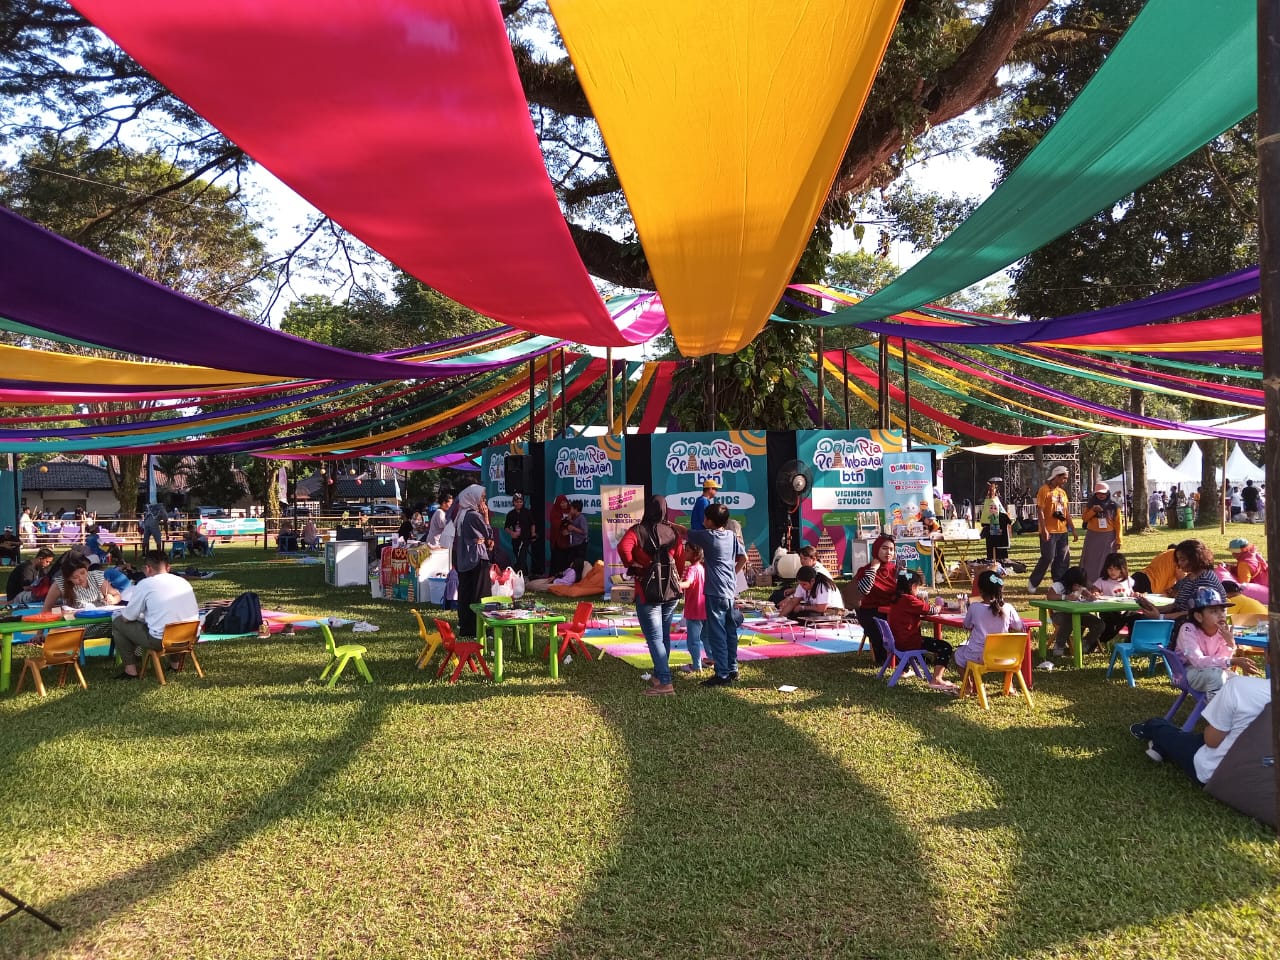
{"x":1074,"y":586}
{"x":904,"y":621}
{"x":1206,"y":646}
{"x":993,"y":615}
{"x":1114,"y":582}
{"x":695,"y":605}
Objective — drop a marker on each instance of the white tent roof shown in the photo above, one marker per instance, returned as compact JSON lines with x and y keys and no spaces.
{"x":1159,"y":473}
{"x":1192,"y":464}
{"x":1240,"y":468}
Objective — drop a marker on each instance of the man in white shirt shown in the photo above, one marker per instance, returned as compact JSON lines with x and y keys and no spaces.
{"x":159,"y":600}
{"x":1239,"y":701}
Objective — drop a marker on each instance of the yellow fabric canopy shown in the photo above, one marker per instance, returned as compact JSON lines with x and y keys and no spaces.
{"x":726,"y":121}
{"x":43,"y":367}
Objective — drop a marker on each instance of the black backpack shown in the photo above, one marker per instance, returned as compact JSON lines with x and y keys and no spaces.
{"x":660,"y":583}
{"x":242,"y":615}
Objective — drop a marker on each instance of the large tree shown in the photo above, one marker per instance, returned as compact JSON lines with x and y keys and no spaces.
{"x":943,"y":60}
{"x":1196,"y":221}
{"x":190,"y":235}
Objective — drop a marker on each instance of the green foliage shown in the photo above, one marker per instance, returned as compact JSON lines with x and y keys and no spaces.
{"x":214,"y":482}
{"x":861,"y":271}
{"x":199,"y":240}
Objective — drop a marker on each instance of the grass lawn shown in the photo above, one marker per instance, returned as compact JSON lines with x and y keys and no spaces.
{"x":256,"y":814}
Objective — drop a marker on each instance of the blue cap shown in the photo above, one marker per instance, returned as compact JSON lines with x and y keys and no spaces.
{"x":1208,"y":597}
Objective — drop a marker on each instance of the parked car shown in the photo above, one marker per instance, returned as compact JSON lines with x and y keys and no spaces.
{"x":386,"y":510}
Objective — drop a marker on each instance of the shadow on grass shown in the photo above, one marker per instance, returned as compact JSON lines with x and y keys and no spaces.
{"x":800,"y":855}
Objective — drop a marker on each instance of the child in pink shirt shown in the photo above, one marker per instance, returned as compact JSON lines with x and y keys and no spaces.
{"x":1205,"y":644}
{"x":695,"y":605}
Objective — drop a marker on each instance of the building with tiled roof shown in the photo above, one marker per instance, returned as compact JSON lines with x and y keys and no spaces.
{"x":60,"y":485}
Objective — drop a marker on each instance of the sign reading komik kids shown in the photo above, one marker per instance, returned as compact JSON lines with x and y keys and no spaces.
{"x":848,"y":494}
{"x":735,"y":461}
{"x":576,"y":468}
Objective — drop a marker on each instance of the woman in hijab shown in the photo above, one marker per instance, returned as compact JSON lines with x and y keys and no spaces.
{"x":558,"y":533}
{"x":1102,"y":520}
{"x":878,"y":584}
{"x":470,"y":556}
{"x":995,"y":522}
{"x":652,"y":541}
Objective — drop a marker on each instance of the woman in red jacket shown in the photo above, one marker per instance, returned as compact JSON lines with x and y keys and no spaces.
{"x":877,"y":582}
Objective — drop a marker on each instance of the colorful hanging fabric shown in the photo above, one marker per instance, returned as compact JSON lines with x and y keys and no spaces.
{"x":726,"y":121}
{"x":1183,"y":72}
{"x":403,"y":120}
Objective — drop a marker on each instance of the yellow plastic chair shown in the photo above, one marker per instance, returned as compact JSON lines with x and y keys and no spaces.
{"x":430,"y":641}
{"x":340,"y":656}
{"x":179,"y":641}
{"x":1002,"y":652}
{"x":61,"y":649}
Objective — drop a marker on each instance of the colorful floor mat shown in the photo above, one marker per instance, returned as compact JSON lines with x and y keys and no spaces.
{"x":624,"y":641}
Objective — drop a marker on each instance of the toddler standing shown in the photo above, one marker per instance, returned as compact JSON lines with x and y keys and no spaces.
{"x":695,"y":605}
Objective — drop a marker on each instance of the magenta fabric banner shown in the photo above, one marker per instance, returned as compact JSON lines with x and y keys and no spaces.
{"x":403,"y":120}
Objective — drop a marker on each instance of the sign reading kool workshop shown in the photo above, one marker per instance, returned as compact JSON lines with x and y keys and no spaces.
{"x":735,"y":460}
{"x":577,"y":468}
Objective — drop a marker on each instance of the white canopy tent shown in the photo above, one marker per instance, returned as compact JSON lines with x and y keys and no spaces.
{"x":1239,"y":468}
{"x":1160,"y":476}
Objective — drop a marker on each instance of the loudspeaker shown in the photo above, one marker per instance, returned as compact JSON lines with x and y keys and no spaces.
{"x":516,"y":474}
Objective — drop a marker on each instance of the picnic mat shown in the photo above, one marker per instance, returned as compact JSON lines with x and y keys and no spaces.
{"x":277,"y":622}
{"x":757,"y":640}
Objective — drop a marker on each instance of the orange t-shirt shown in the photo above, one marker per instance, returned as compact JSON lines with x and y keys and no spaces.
{"x":1050,"y":499}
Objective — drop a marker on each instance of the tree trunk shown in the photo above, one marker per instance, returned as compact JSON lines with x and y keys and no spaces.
{"x":1138,"y":480}
{"x":1210,"y":493}
{"x":273,"y":490}
{"x":123,"y":472}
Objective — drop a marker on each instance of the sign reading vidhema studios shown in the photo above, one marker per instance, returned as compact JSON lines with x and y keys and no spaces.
{"x":848,"y":482}
{"x":577,"y":468}
{"x":683,"y":462}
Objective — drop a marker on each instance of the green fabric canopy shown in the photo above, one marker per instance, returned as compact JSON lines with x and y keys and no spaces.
{"x":1185,"y":71}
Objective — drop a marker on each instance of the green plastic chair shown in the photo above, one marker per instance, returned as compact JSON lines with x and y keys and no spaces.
{"x":340,"y":656}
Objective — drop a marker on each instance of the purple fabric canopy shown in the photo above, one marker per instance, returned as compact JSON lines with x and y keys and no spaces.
{"x":50,"y":283}
{"x":1161,"y":306}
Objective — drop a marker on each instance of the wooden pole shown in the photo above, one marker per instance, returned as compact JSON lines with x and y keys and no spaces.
{"x":1269,"y":259}
{"x":711,"y":377}
{"x":906,"y":390}
{"x":1226,"y":497}
{"x":848,"y":424}
{"x":564,"y":410}
{"x":626,"y":397}
{"x":533,"y":384}
{"x":822,"y":394}
{"x":608,"y":414}
{"x":883,"y":393}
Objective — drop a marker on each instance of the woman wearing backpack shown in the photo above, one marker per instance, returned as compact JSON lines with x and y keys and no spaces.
{"x":654,"y":555}
{"x":470,"y":556}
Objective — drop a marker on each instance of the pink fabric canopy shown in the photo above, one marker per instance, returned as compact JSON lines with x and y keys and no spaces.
{"x":403,"y":120}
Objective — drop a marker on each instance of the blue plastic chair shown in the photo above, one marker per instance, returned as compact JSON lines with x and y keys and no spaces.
{"x":913,"y":658}
{"x":1178,"y":677}
{"x":1146,"y":637}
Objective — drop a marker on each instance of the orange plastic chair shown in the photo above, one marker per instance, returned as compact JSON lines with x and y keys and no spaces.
{"x":179,"y":641}
{"x":61,"y":649}
{"x":431,"y":642}
{"x":571,"y":633}
{"x":465,"y":653}
{"x":1003,"y":653}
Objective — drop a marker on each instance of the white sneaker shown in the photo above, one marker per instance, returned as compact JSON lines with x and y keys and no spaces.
{"x":1153,"y":753}
{"x":1032,"y":590}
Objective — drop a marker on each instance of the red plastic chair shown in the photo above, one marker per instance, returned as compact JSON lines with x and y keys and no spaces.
{"x":464,"y":653}
{"x":571,"y":633}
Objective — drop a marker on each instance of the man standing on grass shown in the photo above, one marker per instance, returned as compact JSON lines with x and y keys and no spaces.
{"x":722,"y":558}
{"x":159,"y":600}
{"x":1055,"y":524}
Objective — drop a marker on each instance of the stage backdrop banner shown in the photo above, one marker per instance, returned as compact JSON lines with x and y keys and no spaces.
{"x":493,"y":474}
{"x":736,"y":460}
{"x":623,"y":508}
{"x":578,"y":468}
{"x":848,"y":485}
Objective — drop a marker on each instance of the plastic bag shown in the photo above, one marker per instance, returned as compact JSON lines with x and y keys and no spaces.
{"x":517,"y":586}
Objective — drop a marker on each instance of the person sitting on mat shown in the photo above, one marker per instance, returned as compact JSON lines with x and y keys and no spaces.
{"x":813,"y":594}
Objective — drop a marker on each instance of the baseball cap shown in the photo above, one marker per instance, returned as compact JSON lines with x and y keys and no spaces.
{"x":1058,"y":471}
{"x":1239,"y":543}
{"x":1101,"y":487}
{"x":1208,"y":597}
{"x":926,"y":515}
